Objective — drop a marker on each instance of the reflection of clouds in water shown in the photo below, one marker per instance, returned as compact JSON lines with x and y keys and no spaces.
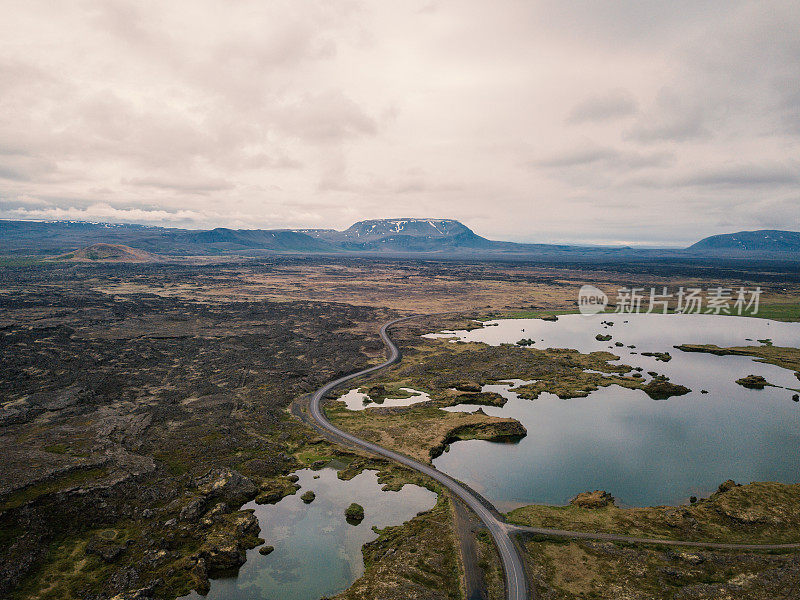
{"x":355,"y":400}
{"x":316,"y":552}
{"x":643,"y":451}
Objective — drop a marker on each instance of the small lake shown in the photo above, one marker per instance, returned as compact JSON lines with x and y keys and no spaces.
{"x":355,"y":400}
{"x":317,"y":553}
{"x":643,"y":451}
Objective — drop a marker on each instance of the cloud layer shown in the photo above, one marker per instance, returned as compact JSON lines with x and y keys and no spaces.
{"x":634,"y":121}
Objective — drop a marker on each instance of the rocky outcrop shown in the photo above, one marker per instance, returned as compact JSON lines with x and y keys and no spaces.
{"x":224,"y":550}
{"x":468,"y":386}
{"x":661,"y":389}
{"x":227,"y":485}
{"x":595,"y":499}
{"x":492,"y":431}
{"x":354,"y":514}
{"x":275,"y":490}
{"x":753,"y":382}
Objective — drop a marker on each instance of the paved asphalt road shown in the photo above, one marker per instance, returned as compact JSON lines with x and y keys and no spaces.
{"x":516,"y":583}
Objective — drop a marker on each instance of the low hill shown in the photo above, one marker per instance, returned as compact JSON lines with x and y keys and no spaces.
{"x":222,"y":238}
{"x":763,"y":240}
{"x":109,"y":253}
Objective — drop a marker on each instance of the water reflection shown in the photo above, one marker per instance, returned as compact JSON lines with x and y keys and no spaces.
{"x":645,"y":452}
{"x":317,"y":553}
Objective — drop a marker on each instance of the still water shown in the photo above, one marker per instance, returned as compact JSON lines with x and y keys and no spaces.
{"x":355,"y":400}
{"x":644,"y":452}
{"x":317,"y":553}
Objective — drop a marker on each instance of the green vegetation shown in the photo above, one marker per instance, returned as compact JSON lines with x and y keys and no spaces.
{"x":785,"y":311}
{"x":662,"y":356}
{"x":422,"y":432}
{"x":414,"y":561}
{"x":757,"y":513}
{"x":69,"y":480}
{"x":565,"y":570}
{"x":354,"y":514}
{"x":787,"y":358}
{"x":308,"y":497}
{"x":754,"y":382}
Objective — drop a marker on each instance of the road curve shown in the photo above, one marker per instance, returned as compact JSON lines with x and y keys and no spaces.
{"x":516,"y":582}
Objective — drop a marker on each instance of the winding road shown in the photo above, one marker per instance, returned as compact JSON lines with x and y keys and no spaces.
{"x":516,"y":582}
{"x":515,"y":579}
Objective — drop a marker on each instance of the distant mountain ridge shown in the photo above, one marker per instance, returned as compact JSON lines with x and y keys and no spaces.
{"x":403,"y":236}
{"x":764,"y":240}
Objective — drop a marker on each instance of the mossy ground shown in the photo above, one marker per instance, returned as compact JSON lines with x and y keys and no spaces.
{"x":566,"y":570}
{"x":416,"y":560}
{"x":757,"y":513}
{"x":787,"y":358}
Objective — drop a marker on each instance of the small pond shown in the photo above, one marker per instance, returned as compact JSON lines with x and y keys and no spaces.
{"x":317,"y":553}
{"x":355,"y":400}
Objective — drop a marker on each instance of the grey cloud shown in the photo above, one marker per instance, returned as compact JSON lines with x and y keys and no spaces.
{"x":673,"y":118}
{"x":199,"y":186}
{"x":324,"y":117}
{"x":578,"y":158}
{"x":744,"y":176}
{"x":18,"y":167}
{"x":613,"y":105}
{"x":607,"y":158}
{"x":562,"y":114}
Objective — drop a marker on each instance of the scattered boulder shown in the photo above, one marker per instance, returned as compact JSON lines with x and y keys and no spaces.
{"x":796,"y":397}
{"x":602,"y":338}
{"x":264,"y":550}
{"x":595,"y":499}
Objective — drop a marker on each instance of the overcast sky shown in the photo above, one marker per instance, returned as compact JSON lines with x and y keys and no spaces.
{"x":600,"y":122}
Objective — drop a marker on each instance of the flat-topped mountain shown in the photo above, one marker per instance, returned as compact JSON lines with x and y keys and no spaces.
{"x":430,"y":228}
{"x":403,"y":235}
{"x":763,"y":240}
